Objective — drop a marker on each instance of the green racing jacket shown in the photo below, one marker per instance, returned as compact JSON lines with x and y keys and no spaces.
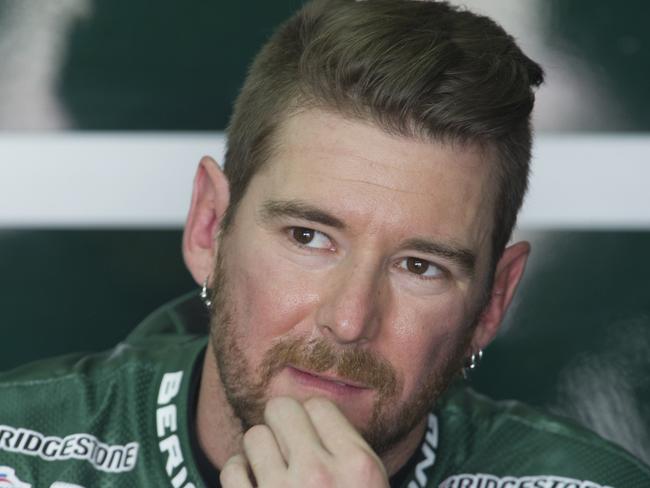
{"x":124,"y":418}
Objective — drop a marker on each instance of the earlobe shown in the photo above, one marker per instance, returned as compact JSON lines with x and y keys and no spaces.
{"x":508,"y":273}
{"x":210,"y":199}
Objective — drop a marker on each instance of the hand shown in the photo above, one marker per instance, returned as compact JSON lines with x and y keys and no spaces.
{"x":308,"y":445}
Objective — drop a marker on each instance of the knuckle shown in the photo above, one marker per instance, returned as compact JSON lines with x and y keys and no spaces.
{"x":316,"y":474}
{"x":365,"y":465}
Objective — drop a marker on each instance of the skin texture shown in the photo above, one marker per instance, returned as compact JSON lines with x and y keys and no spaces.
{"x":323,"y":279}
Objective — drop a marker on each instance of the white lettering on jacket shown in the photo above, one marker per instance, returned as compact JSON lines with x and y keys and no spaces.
{"x":490,"y":481}
{"x":104,"y":457}
{"x":428,"y":448}
{"x":166,"y":427}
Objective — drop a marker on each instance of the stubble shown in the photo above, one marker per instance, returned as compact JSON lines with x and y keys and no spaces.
{"x":246,"y":387}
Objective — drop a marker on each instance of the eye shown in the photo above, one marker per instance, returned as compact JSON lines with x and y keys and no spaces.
{"x":421,"y":267}
{"x":311,"y":238}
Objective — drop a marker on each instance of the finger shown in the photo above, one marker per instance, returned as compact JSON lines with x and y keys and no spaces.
{"x":292,"y":427}
{"x":346,"y":445}
{"x":335,"y":431}
{"x":263,"y":454}
{"x":234,"y":473}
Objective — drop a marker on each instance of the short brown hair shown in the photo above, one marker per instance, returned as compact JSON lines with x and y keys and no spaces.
{"x":414,"y":68}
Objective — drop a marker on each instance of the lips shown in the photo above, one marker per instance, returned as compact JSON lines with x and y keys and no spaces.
{"x":326,"y":382}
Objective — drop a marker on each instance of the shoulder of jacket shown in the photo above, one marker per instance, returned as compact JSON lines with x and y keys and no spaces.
{"x":528,"y":440}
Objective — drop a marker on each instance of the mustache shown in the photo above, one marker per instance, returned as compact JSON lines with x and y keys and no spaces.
{"x":319,"y":355}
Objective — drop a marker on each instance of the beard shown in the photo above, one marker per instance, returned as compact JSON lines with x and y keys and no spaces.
{"x":246,"y":388}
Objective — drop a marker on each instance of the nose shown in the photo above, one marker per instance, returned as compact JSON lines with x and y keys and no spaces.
{"x":350,"y":309}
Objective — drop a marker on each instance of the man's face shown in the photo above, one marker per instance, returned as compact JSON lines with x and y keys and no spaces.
{"x":355,"y":269}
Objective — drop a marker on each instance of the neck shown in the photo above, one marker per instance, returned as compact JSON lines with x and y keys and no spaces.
{"x":398,"y":455}
{"x":219,"y":431}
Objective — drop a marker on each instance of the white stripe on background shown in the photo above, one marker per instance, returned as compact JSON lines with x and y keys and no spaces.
{"x":76,"y":179}
{"x":589,"y":181}
{"x":99,"y":179}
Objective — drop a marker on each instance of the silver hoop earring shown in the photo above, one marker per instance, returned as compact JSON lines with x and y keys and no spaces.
{"x":472,"y":363}
{"x":205,"y":296}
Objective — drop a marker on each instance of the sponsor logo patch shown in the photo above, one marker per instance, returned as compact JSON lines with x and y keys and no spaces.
{"x":490,"y":481}
{"x":8,"y":479}
{"x":104,"y":457}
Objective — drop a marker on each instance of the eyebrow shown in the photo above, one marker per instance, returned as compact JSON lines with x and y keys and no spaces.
{"x":274,"y":209}
{"x":461,"y":256}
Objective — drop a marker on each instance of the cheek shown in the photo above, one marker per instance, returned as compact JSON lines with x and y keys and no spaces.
{"x":270,"y":298}
{"x":424,"y":337}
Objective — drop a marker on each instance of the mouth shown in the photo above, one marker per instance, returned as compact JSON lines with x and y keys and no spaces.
{"x":326,"y":382}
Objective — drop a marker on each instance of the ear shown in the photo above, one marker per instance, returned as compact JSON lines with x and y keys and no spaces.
{"x":508,"y":273}
{"x":210,"y":198}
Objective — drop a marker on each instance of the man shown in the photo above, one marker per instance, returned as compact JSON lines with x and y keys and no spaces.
{"x":353,"y":260}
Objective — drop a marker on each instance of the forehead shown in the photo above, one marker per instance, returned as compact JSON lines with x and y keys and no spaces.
{"x":377,"y":181}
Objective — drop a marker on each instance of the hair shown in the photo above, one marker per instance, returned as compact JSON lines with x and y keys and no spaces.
{"x":422,"y":69}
